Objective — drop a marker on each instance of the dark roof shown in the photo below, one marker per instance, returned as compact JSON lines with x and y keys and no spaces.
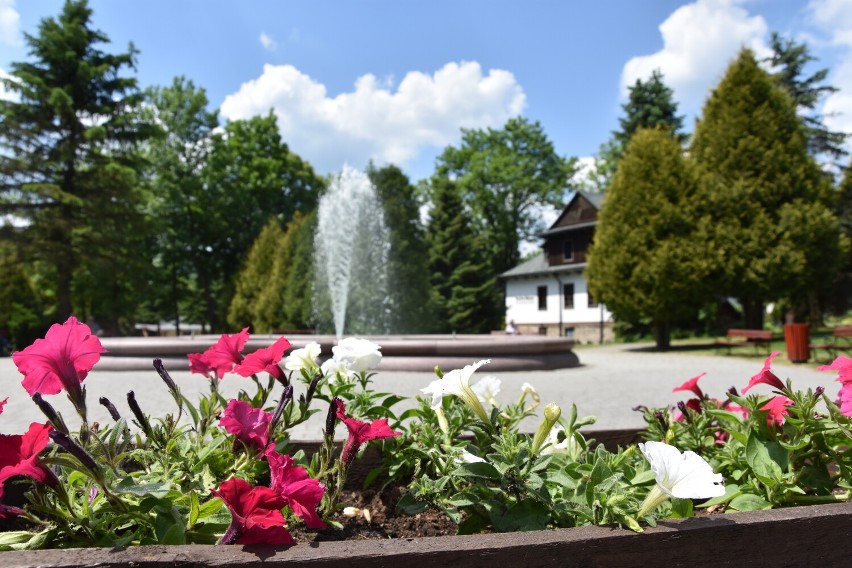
{"x":538,"y":265}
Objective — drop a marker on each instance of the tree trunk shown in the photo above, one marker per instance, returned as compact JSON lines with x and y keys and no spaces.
{"x":663,"y":335}
{"x":753,"y":313}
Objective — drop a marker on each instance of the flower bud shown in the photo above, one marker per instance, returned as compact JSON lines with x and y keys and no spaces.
{"x":53,"y":417}
{"x":552,"y":412}
{"x":331,"y":418}
{"x":818,"y":392}
{"x":113,"y":411}
{"x":312,"y":387}
{"x":66,"y":443}
{"x":141,"y":419}
{"x":286,"y":397}
{"x":167,"y":378}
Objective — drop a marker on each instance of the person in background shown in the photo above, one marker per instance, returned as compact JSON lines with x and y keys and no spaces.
{"x":511,"y":329}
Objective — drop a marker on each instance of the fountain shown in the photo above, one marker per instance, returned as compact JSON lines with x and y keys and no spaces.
{"x":351,"y":247}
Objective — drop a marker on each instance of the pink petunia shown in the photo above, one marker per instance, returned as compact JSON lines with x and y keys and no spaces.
{"x":361,"y":432}
{"x":777,"y":408}
{"x":844,"y":399}
{"x":248,"y":424}
{"x":19,"y":453}
{"x":3,"y":403}
{"x":691,"y":385}
{"x":60,"y":361}
{"x":302,"y":492}
{"x":843,"y":365}
{"x":255,"y":514}
{"x":766,"y":376}
{"x":222,"y":357}
{"x":265,"y":359}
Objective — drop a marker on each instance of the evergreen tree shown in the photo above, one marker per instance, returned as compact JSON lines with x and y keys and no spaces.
{"x":68,"y":161}
{"x":650,"y":104}
{"x":774,"y":237}
{"x":464,"y":295}
{"x":648,"y":261}
{"x":260,"y":273}
{"x":297,"y":306}
{"x":789,"y":59}
{"x":506,"y":176}
{"x":407,"y":264}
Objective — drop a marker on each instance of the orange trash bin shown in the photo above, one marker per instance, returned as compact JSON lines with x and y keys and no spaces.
{"x":797,"y":339}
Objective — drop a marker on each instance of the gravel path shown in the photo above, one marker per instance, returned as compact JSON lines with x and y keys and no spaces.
{"x":611,"y":380}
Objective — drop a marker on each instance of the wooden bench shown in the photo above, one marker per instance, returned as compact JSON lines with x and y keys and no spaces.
{"x":839,"y":342}
{"x":757,"y":338}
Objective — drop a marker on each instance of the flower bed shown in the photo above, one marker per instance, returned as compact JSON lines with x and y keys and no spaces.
{"x":224,"y":471}
{"x":800,"y":536}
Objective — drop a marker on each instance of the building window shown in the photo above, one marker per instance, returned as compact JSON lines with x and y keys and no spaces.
{"x":542,"y":297}
{"x":593,"y":302}
{"x":568,"y":296}
{"x":568,"y":250}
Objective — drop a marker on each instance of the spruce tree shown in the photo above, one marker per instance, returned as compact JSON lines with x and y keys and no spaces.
{"x":68,"y":162}
{"x":464,"y":295}
{"x":650,"y":104}
{"x":773,"y":235}
{"x":648,"y":261}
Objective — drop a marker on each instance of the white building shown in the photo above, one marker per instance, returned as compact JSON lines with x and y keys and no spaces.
{"x":548,"y":294}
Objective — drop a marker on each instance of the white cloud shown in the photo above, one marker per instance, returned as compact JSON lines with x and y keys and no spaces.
{"x":373,"y":121}
{"x":267,"y":42}
{"x":699,"y":41}
{"x":10,"y":33}
{"x":835,"y":16}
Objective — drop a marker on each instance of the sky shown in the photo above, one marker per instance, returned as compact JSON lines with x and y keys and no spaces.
{"x":396,"y":81}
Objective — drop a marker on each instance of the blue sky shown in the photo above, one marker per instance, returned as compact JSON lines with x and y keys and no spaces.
{"x":395,"y":81}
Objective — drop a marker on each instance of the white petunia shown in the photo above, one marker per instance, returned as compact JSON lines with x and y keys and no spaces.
{"x":682,"y":475}
{"x":335,"y":371}
{"x":457,"y":383}
{"x":487,"y":388}
{"x":357,"y":355}
{"x":304,"y":358}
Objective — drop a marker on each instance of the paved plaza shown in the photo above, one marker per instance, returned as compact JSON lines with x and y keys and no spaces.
{"x":610,"y":381}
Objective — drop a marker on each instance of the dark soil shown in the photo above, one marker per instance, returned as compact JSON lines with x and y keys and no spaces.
{"x":383,"y":520}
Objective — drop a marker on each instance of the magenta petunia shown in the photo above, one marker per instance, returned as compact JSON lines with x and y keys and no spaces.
{"x":265,"y":359}
{"x":198,"y":364}
{"x":19,"y":453}
{"x":844,"y":399}
{"x":60,"y":361}
{"x":302,"y":492}
{"x":766,"y":376}
{"x":691,"y":385}
{"x":255,"y":514}
{"x":843,"y":365}
{"x":226,"y":353}
{"x":248,"y":424}
{"x":777,"y":408}
{"x":3,"y":403}
{"x":361,"y":432}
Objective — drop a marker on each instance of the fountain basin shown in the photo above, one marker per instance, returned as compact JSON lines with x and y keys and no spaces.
{"x":416,"y":353}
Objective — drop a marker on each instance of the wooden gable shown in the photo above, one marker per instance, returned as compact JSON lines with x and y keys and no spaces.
{"x":579,"y":210}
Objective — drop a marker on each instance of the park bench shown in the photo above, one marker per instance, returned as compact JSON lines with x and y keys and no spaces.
{"x":757,"y":338}
{"x":839,"y":342}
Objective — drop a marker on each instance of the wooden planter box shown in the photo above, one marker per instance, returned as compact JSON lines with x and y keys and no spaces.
{"x":817,"y":535}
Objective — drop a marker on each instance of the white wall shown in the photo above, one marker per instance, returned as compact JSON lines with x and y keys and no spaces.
{"x":522,"y":301}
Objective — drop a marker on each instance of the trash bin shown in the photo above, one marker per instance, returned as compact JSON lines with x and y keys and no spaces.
{"x":797,"y":338}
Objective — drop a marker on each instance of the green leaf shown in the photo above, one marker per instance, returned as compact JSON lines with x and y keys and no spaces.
{"x":158,"y":490}
{"x":194,"y":508}
{"x":763,"y":458}
{"x":15,"y":537}
{"x":681,"y":508}
{"x":408,"y":505}
{"x":525,"y":515}
{"x":643,"y":478}
{"x":749,"y":502}
{"x":803,"y":443}
{"x":731,"y":491}
{"x":210,"y":508}
{"x":479,"y":469}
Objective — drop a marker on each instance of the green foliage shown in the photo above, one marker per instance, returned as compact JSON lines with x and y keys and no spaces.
{"x":763,"y":198}
{"x":69,"y":160}
{"x":653,"y":269}
{"x":250,"y":174}
{"x":506,"y":176}
{"x":464,"y":295}
{"x":254,"y":280}
{"x":178,"y":200}
{"x":409,"y":291}
{"x":20,"y":303}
